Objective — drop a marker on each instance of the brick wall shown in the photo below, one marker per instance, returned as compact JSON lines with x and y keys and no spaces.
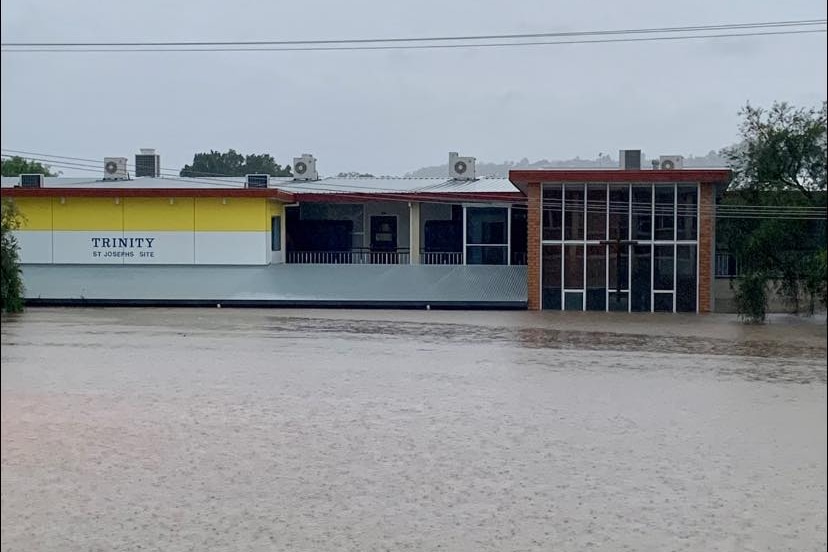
{"x":707,"y":225}
{"x":533,"y":193}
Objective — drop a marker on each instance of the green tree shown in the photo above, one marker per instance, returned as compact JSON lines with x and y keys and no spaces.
{"x":780,"y":162}
{"x":233,"y":163}
{"x":15,"y":166}
{"x":11,"y":282}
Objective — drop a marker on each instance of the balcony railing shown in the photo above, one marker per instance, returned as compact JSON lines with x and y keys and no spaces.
{"x":441,"y":257}
{"x":355,"y":256}
{"x":400,"y":256}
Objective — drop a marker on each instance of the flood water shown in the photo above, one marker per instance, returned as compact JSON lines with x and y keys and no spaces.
{"x":219,"y":429}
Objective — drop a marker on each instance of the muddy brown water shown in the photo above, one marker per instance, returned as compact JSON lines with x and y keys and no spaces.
{"x":220,"y":429}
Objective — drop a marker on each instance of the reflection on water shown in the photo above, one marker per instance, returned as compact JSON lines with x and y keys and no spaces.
{"x":374,"y":430}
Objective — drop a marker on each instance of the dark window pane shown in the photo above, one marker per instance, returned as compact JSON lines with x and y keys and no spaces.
{"x":642,"y":210}
{"x":574,"y":206}
{"x":486,"y":255}
{"x":663,"y":302}
{"x":519,"y":234}
{"x":574,"y":267}
{"x":687,"y":209}
{"x":618,"y":266}
{"x":551,"y":299}
{"x":685,"y":278}
{"x":619,"y":219}
{"x":573,"y":300}
{"x":551,"y":213}
{"x":640,"y":289}
{"x":596,"y":212}
{"x":618,"y":301}
{"x":486,"y":225}
{"x":276,"y":233}
{"x":596,"y":286}
{"x":551,"y":277}
{"x":664,"y":198}
{"x":663,"y":267}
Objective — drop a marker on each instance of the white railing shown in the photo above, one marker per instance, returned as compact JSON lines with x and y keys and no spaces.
{"x":441,"y":257}
{"x":348,"y":257}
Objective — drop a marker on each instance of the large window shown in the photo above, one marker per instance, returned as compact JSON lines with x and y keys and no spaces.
{"x":551,"y":277}
{"x":686,"y":212}
{"x":552,"y":212}
{"x":487,"y":235}
{"x":574,"y":212}
{"x":624,"y":247}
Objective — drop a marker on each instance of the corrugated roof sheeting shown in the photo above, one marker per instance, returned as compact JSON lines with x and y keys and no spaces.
{"x":380,"y":185}
{"x":287,"y":283}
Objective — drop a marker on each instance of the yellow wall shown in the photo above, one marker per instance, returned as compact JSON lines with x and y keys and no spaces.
{"x":88,"y":213}
{"x":215,"y":214}
{"x":36,"y":211}
{"x":160,"y":214}
{"x":183,"y":214}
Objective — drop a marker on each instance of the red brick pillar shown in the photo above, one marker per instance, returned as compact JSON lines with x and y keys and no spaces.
{"x":707,"y":230}
{"x":533,"y":244}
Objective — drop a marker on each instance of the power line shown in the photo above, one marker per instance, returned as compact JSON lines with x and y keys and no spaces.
{"x":408,"y":46}
{"x":571,"y":205}
{"x":616,"y":208}
{"x":652,"y":30}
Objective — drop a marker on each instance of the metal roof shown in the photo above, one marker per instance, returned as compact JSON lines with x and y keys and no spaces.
{"x":145,"y":182}
{"x":405,"y":185}
{"x":331,"y":185}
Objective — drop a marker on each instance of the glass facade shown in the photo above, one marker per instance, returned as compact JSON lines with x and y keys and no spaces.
{"x":620,"y":247}
{"x":487,"y":235}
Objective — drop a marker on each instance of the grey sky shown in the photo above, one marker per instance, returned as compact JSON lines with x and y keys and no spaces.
{"x":392,"y":112}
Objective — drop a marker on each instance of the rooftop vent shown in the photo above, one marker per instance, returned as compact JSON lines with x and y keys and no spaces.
{"x":257,"y":180}
{"x":147,"y":163}
{"x":629,"y":160}
{"x":31,"y":180}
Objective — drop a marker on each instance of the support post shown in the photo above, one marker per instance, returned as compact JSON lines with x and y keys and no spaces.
{"x":414,"y":232}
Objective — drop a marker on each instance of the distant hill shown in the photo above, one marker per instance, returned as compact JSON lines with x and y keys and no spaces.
{"x":711,"y":160}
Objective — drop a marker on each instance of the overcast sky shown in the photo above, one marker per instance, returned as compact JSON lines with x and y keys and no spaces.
{"x":393,"y":112}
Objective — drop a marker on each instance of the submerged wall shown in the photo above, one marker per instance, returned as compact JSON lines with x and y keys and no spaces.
{"x":286,"y":284}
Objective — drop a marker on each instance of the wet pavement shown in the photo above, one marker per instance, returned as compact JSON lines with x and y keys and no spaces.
{"x":220,"y":429}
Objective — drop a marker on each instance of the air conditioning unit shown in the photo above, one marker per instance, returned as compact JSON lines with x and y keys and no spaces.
{"x":115,"y":168}
{"x":147,"y":163}
{"x":304,"y":168}
{"x":461,"y":168}
{"x":669,"y":162}
{"x":31,"y":180}
{"x":257,"y":180}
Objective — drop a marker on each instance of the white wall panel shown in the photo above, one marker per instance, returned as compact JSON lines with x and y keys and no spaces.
{"x":35,"y":246}
{"x":232,"y":248}
{"x":151,"y":247}
{"x":165,"y":248}
{"x":80,"y":247}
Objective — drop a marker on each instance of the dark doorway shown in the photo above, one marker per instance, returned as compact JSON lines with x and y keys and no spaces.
{"x":383,"y":233}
